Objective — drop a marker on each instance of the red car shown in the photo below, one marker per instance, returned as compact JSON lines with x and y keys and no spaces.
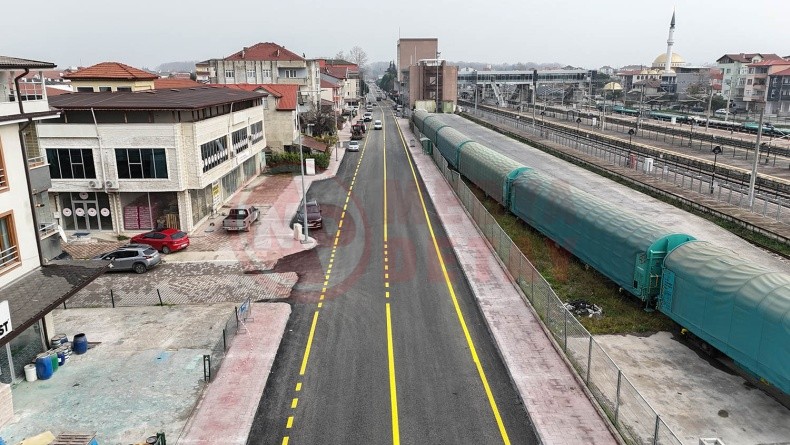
{"x":165,"y":240}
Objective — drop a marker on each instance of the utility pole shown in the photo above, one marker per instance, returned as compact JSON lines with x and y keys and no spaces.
{"x":707,"y":113}
{"x":753,"y":178}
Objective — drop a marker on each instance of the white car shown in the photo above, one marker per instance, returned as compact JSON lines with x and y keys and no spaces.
{"x":377,"y":125}
{"x":353,"y":146}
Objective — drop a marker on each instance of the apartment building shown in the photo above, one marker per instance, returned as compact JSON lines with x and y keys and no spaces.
{"x":778,"y":94}
{"x":126,"y":162}
{"x":756,"y":91}
{"x":32,"y":284}
{"x":734,"y":69}
{"x":263,"y":63}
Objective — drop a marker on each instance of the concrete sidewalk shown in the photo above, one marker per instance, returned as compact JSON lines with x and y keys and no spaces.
{"x":556,"y":402}
{"x":227,"y":409}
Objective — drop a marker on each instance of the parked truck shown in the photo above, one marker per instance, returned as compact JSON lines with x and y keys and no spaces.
{"x":241,"y":218}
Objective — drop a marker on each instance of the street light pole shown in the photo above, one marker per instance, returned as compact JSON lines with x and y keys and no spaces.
{"x":691,"y":132}
{"x":301,"y":160}
{"x":716,"y":150}
{"x":753,"y":178}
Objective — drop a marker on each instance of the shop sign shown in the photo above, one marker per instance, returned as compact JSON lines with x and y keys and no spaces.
{"x":5,"y":319}
{"x":215,"y":193}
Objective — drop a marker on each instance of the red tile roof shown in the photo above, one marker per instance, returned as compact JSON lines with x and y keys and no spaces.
{"x":111,"y":70}
{"x":313,"y":144}
{"x":170,"y":82}
{"x":782,"y":73}
{"x":56,"y":92}
{"x":285,"y":94}
{"x":747,"y":57}
{"x":339,"y":72}
{"x":328,"y":84}
{"x":771,"y":62}
{"x":264,"y":51}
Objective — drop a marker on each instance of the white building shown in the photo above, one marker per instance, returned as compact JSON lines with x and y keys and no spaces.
{"x":130,"y":161}
{"x":30,"y":283}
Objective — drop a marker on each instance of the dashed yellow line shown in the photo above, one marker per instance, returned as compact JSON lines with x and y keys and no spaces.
{"x":308,"y":347}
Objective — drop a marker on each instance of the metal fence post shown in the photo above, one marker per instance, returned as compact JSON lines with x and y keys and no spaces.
{"x":112,"y":300}
{"x":160,"y":297}
{"x":224,"y":340}
{"x":655,"y":433}
{"x":206,"y":367}
{"x":565,"y":331}
{"x":589,"y":360}
{"x":548,"y":311}
{"x":617,"y":399}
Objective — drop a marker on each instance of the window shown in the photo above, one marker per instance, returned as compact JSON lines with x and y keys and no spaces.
{"x":250,"y":74}
{"x":256,"y":131}
{"x":141,"y":163}
{"x":84,"y":89}
{"x":266,"y":74}
{"x":240,"y":141}
{"x":129,"y":89}
{"x":214,"y":153}
{"x":71,"y":163}
{"x":229,"y":74}
{"x":105,"y":89}
{"x":9,"y":251}
{"x":289,"y":73}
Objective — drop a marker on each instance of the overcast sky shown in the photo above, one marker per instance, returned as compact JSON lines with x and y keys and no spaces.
{"x":583,"y":33}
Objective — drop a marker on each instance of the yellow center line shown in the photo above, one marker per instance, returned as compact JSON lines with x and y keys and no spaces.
{"x":298,"y":386}
{"x":285,"y":440}
{"x":307,"y":348}
{"x":393,"y":389}
{"x":294,"y":402}
{"x":290,"y":422}
{"x":459,"y":313}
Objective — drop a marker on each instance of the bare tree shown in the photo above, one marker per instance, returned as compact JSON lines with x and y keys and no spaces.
{"x":340,"y":55}
{"x":358,"y":56}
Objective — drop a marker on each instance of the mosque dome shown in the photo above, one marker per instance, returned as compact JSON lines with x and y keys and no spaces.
{"x":661,"y":60}
{"x":612,"y":86}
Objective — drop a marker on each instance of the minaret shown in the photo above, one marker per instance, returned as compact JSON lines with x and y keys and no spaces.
{"x":668,"y":65}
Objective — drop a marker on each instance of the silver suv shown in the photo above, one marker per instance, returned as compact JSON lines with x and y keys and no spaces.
{"x":135,"y":257}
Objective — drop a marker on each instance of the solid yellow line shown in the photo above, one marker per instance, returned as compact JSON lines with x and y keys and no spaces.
{"x":459,"y":313}
{"x":393,"y":389}
{"x":384,"y":129}
{"x":309,"y":345}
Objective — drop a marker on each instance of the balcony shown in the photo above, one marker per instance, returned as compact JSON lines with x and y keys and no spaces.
{"x":40,"y":179}
{"x":45,"y":230}
{"x":33,"y":99}
{"x":9,"y":258}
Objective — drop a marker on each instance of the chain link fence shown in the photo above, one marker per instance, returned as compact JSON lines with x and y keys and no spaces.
{"x":630,"y":413}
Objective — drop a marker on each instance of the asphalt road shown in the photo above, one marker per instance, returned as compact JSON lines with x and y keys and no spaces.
{"x":385,"y":343}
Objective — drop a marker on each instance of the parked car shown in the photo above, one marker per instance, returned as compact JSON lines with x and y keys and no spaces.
{"x":314,"y":219}
{"x":377,"y":125}
{"x":135,"y":257}
{"x":240,"y":218}
{"x":165,"y":240}
{"x":353,"y":146}
{"x":721,"y":112}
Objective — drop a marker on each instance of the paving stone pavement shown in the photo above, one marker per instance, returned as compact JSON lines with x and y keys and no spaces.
{"x":184,"y":283}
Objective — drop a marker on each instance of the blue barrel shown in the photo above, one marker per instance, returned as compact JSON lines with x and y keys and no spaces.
{"x":61,"y":356}
{"x":43,"y":366}
{"x":80,"y":344}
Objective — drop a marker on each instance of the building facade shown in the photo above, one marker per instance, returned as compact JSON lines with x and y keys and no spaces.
{"x":433,"y":86}
{"x":734,"y":69}
{"x":136,"y":161}
{"x":755,"y":90}
{"x":110,"y":76}
{"x":263,"y":63}
{"x":778,"y":94}
{"x":32,"y":283}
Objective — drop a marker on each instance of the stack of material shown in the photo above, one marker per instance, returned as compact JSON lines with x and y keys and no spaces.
{"x":6,"y":404}
{"x":75,"y":439}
